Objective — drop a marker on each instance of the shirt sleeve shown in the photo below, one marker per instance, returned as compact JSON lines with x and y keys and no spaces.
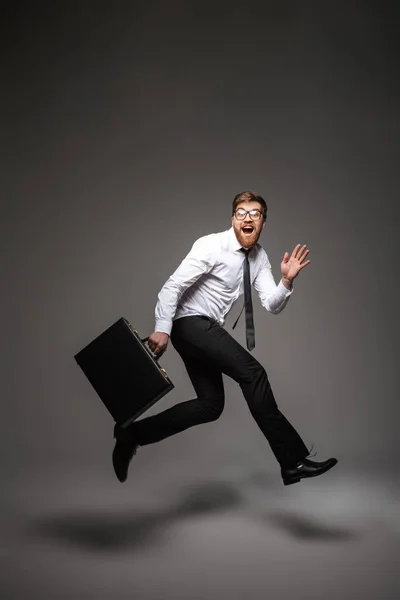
{"x":199,"y":261}
{"x":273,"y":297}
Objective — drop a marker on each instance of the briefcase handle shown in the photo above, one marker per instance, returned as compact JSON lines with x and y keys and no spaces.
{"x":155,"y":356}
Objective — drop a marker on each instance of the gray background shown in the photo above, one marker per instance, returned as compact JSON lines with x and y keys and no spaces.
{"x":127,"y":130}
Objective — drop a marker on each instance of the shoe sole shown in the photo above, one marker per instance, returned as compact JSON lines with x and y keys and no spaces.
{"x":122,"y":473}
{"x":120,"y":476}
{"x":290,"y":481}
{"x":297,"y":479}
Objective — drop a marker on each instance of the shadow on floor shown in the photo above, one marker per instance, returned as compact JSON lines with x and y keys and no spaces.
{"x":108,"y":531}
{"x":105,"y":531}
{"x":306,"y":528}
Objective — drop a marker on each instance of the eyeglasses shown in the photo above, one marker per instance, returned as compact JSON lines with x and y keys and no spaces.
{"x":241,"y":213}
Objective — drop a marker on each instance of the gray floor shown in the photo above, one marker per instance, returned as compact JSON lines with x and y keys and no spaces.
{"x":238,"y":534}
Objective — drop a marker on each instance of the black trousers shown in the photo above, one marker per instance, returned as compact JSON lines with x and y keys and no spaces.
{"x":208,"y":350}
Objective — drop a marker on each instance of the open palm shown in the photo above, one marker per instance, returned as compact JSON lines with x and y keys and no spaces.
{"x":292,"y":265}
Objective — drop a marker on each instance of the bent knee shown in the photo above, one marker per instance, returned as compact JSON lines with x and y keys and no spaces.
{"x":254,"y":373}
{"x":213,"y":408}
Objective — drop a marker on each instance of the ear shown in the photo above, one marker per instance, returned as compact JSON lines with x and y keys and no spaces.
{"x":265,"y":221}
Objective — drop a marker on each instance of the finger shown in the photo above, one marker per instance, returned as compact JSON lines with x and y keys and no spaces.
{"x":286,"y":257}
{"x":305,"y":264}
{"x":295,"y":250}
{"x":303,"y":255}
{"x":301,"y":251}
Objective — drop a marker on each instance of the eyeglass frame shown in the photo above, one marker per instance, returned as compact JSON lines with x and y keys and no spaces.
{"x":248,"y":213}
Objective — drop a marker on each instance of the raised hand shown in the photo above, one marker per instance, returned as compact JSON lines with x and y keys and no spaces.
{"x":292,"y":265}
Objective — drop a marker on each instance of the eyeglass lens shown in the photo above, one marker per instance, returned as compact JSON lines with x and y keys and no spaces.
{"x":241,"y":213}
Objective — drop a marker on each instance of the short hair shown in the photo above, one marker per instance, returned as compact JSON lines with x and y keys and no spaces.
{"x":249,"y":197}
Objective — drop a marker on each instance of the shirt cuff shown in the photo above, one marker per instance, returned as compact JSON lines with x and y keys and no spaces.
{"x":163,"y":327}
{"x":284,"y":289}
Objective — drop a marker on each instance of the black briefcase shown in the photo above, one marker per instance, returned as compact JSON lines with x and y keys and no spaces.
{"x":124,"y":372}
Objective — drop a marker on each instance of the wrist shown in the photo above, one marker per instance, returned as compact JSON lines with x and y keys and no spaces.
{"x":287,"y":282}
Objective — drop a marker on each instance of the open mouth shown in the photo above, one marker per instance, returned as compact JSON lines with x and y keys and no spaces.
{"x":248,"y":230}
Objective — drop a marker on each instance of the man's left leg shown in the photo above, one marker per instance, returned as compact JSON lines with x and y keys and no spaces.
{"x":207,"y":406}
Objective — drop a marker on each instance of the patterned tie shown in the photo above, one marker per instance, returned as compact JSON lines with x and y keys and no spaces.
{"x":248,"y":305}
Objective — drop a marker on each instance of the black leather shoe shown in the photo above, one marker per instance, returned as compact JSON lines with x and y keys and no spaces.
{"x":306,"y":468}
{"x":125,"y":448}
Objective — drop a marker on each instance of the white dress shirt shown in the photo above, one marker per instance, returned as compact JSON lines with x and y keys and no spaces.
{"x":210,"y":279}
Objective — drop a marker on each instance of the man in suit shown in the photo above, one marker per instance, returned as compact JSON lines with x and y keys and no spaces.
{"x":191,"y":311}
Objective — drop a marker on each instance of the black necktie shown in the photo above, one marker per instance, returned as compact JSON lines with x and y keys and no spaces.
{"x":248,"y":305}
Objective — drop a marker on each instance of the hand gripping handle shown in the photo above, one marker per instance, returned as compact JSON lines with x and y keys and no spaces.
{"x":155,"y":356}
